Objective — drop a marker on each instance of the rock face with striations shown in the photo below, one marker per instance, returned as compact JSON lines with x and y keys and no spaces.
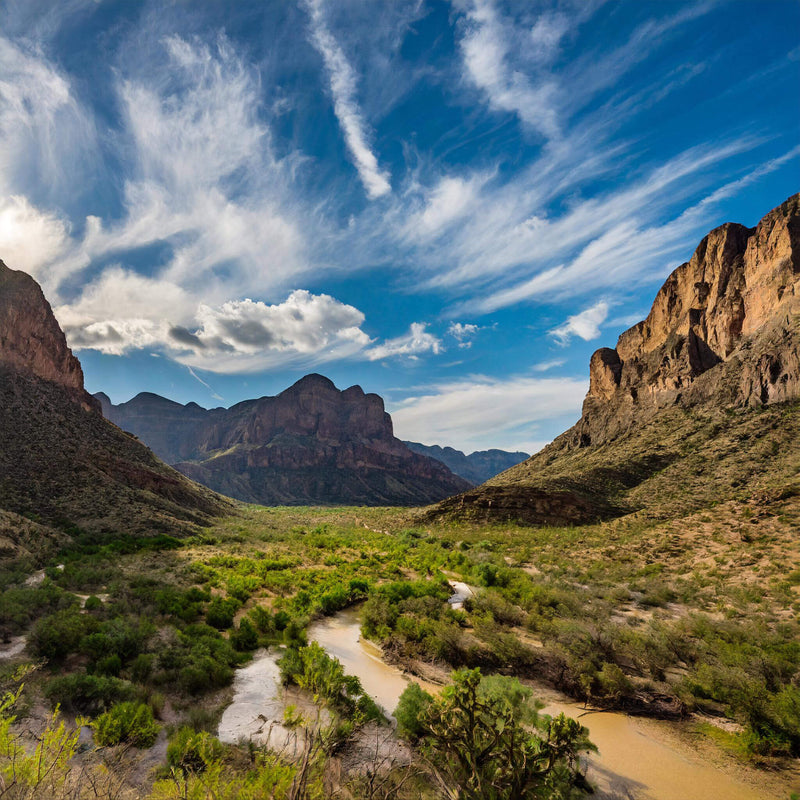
{"x":737,"y":298}
{"x":721,"y":342}
{"x":60,"y":460}
{"x":30,"y":337}
{"x":311,"y":444}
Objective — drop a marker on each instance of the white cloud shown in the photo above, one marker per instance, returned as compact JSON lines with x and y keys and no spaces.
{"x":29,"y":238}
{"x":487,"y":48}
{"x":545,"y":366}
{"x":345,"y":105}
{"x":480,"y":413}
{"x":586,"y":324}
{"x":463,"y":333}
{"x":411,"y":344}
{"x":123,"y":311}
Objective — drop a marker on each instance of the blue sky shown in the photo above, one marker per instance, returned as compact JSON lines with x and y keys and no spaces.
{"x":450,"y":204}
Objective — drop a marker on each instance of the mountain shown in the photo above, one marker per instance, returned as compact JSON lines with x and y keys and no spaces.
{"x":312,"y":444}
{"x":61,"y":463}
{"x":476,"y":467}
{"x":697,"y":403}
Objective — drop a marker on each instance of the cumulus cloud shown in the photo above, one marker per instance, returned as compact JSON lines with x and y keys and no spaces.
{"x":418,"y":340}
{"x":238,"y":336}
{"x":343,"y":89}
{"x":585,"y":325}
{"x":463,"y":333}
{"x":29,"y":237}
{"x":480,"y":412}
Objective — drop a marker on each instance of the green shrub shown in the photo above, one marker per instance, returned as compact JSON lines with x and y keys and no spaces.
{"x":220,"y":612}
{"x":87,"y":694}
{"x":192,"y":751}
{"x":410,"y":710}
{"x":57,"y":635}
{"x":245,"y":638}
{"x":131,"y":723}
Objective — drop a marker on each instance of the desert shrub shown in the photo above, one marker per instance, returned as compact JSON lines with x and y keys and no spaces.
{"x":192,"y":751}
{"x":129,"y":722}
{"x":57,"y":635}
{"x":220,"y":612}
{"x":87,"y":694}
{"x":410,"y":712}
{"x":244,"y":638}
{"x":93,"y":603}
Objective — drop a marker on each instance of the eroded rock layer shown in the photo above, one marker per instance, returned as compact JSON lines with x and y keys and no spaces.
{"x":721,"y":342}
{"x":311,"y":444}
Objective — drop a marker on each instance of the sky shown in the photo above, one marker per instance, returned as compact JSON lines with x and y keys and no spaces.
{"x":451,"y":204}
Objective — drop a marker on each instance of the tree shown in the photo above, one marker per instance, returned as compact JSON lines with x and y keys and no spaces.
{"x":485,"y":740}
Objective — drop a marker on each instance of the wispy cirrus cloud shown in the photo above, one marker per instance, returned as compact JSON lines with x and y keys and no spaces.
{"x":343,"y":83}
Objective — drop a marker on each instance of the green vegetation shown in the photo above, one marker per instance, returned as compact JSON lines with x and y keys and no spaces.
{"x":126,"y":723}
{"x":658,"y":616}
{"x":485,"y":740}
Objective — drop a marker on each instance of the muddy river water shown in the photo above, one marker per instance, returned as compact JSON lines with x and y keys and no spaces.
{"x":637,"y":758}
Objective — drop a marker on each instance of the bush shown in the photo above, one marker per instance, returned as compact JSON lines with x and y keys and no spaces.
{"x":57,"y":635}
{"x":190,"y":751}
{"x":410,"y":711}
{"x":87,"y":694}
{"x":220,"y":612}
{"x":131,"y":723}
{"x":245,"y":638}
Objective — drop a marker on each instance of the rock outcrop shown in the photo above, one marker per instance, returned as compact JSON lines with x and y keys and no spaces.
{"x":61,"y":462}
{"x":31,"y":339}
{"x":739,"y":292}
{"x":311,"y":444}
{"x":721,"y":342}
{"x":476,"y":467}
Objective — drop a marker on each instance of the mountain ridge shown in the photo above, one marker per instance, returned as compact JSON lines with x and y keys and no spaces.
{"x":61,"y":463}
{"x":310,"y":444}
{"x":477,"y":467}
{"x":721,"y":343}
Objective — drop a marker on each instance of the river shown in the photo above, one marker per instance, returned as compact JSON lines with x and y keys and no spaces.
{"x":638,"y":758}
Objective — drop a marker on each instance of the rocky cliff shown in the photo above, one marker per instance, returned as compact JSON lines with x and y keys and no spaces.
{"x":61,"y":462}
{"x":311,"y":444}
{"x":737,"y":298}
{"x":721,"y":343}
{"x":30,"y":337}
{"x":476,"y":467}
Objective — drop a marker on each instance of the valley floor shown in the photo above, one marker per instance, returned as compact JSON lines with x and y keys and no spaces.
{"x":692,"y":620}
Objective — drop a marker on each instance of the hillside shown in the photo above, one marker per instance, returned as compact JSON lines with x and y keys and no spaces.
{"x":61,"y":463}
{"x":476,"y":467}
{"x":311,"y":444}
{"x":697,"y":403}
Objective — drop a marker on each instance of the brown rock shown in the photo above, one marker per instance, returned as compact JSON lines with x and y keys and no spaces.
{"x":31,"y":339}
{"x":311,"y":444}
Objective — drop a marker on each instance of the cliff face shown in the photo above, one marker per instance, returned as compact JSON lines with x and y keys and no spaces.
{"x":671,"y":410}
{"x":310,"y":444}
{"x":738,"y":298}
{"x":60,"y":460}
{"x":30,"y":337}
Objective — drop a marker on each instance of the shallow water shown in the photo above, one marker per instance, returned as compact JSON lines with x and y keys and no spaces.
{"x":637,"y":758}
{"x":340,"y":636}
{"x":256,"y":712}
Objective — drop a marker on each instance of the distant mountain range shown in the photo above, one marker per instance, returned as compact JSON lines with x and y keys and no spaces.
{"x":476,"y":467}
{"x":311,"y":444}
{"x":698,"y":403}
